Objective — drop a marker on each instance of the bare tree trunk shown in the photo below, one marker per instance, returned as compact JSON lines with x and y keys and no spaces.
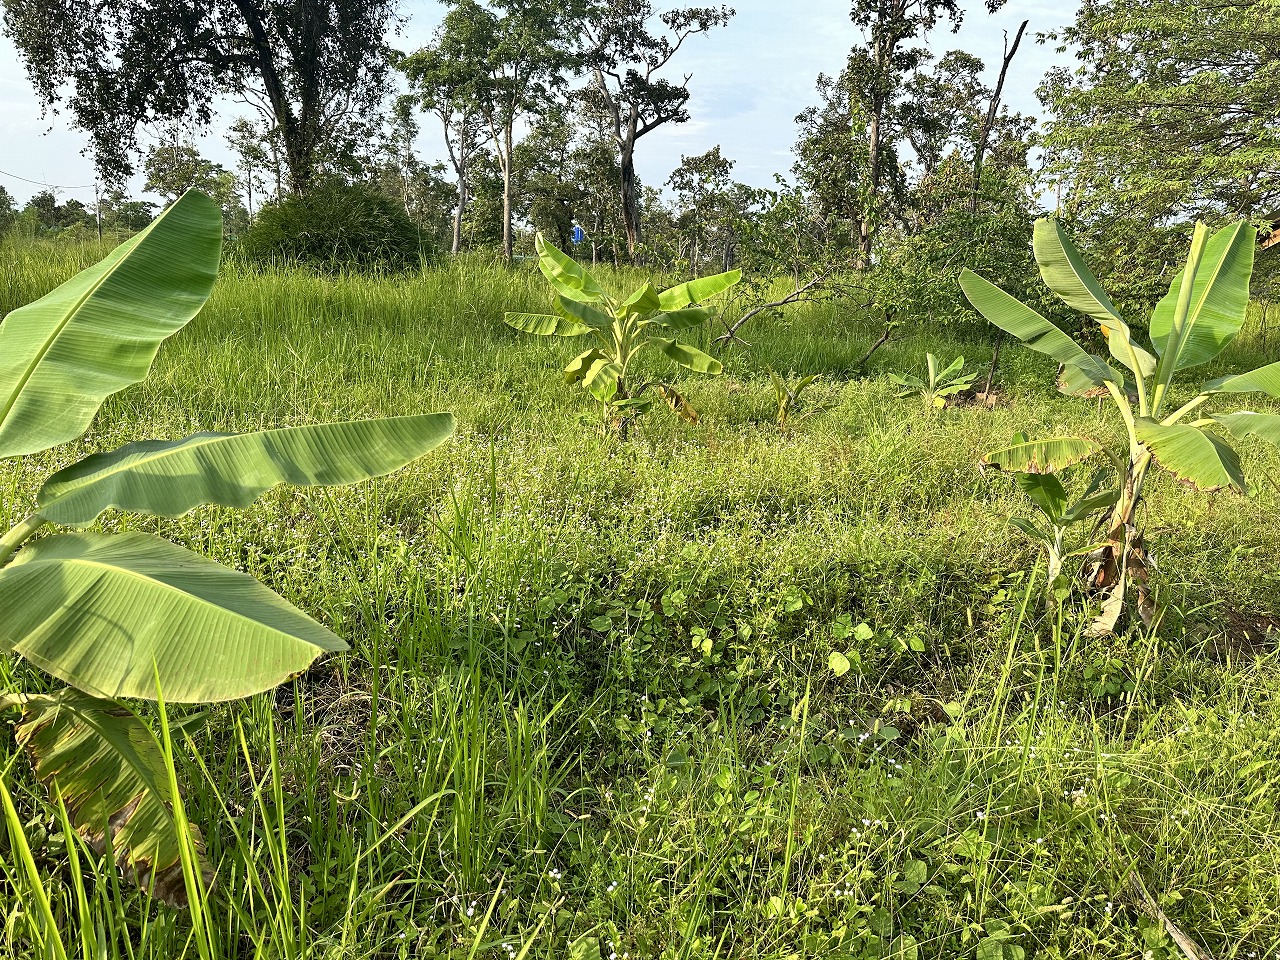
{"x":457,"y":215}
{"x":867,"y":228}
{"x":630,"y":202}
{"x":988,"y":124}
{"x":508,"y":247}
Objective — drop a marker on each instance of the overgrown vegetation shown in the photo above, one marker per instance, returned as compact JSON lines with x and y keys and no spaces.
{"x":589,"y":697}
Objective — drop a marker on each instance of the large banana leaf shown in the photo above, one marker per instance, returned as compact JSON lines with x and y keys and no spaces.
{"x":1262,"y":380}
{"x":581,"y":364}
{"x":1046,"y":492}
{"x":1042,"y":456}
{"x":1265,"y":426}
{"x":545,"y":325}
{"x":109,"y":770}
{"x":106,"y":613}
{"x":169,"y":477}
{"x":569,"y":277}
{"x":584,"y":313}
{"x":1216,"y":308}
{"x":688,"y":356}
{"x":1066,"y":274}
{"x":1011,"y":315}
{"x":99,"y":332}
{"x":601,"y":379}
{"x":645,"y":300}
{"x":1192,"y":454}
{"x":695,"y":291}
{"x":686,"y":319}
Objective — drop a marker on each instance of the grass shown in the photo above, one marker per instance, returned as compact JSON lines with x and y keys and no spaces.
{"x":589,"y":713}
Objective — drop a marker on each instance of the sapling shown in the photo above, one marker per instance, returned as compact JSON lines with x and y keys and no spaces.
{"x":941,"y":384}
{"x":622,"y":329}
{"x":130,"y":615}
{"x":1059,"y":513}
{"x":1201,"y":314}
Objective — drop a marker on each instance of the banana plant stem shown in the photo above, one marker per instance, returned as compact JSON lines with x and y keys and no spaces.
{"x":17,"y":535}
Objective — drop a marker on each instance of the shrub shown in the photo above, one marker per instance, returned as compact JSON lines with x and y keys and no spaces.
{"x":335,"y":227}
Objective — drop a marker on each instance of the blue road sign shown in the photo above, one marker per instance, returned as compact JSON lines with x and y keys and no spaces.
{"x":579,"y":235}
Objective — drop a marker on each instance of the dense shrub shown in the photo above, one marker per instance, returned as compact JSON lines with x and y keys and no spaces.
{"x":335,"y":227}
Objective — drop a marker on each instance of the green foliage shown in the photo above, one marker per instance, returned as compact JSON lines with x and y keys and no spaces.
{"x":129,"y":614}
{"x":940,"y":383}
{"x":622,"y":330}
{"x":788,"y":395}
{"x":333,"y":228}
{"x":1201,"y":314}
{"x":1059,"y":512}
{"x":1170,"y":114}
{"x":528,"y":718}
{"x":318,"y":68}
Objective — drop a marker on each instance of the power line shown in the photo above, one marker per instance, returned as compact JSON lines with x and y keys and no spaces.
{"x":52,"y":186}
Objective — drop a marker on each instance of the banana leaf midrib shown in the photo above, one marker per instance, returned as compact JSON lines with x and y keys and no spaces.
{"x":68,"y":316}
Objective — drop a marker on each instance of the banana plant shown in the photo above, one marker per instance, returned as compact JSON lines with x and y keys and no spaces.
{"x":941,"y":383}
{"x":788,"y":395}
{"x":131,"y":616}
{"x":1059,"y":513}
{"x":622,"y":329}
{"x":1164,"y":424}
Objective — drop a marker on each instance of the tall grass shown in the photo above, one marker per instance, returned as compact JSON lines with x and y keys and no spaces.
{"x":588,"y":709}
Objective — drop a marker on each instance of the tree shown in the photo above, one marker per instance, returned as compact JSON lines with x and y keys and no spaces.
{"x":256,"y":155}
{"x":174,"y":168}
{"x":1172,"y":113}
{"x":8,"y":210}
{"x":444,"y":78}
{"x":121,"y":213}
{"x":831,"y":155}
{"x":311,"y":66}
{"x":515,"y":53}
{"x":704,"y":190}
{"x":49,"y":214}
{"x":875,"y":76}
{"x":625,"y":55}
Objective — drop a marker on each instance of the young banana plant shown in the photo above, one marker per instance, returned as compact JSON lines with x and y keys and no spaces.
{"x":130,"y":615}
{"x":621,"y":330}
{"x":1059,"y":513}
{"x":1202,"y":313}
{"x":788,"y":395}
{"x":942,"y":383}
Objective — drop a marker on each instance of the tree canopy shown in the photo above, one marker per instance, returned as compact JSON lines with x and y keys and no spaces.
{"x":1173,"y":112}
{"x":312,"y":66}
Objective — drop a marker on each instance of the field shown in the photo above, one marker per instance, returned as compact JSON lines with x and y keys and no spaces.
{"x":590,"y":711}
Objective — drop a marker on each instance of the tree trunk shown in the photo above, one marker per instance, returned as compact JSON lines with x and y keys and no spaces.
{"x":457,"y":215}
{"x":867,"y":228}
{"x":508,"y":247}
{"x":630,"y":202}
{"x":988,"y":124}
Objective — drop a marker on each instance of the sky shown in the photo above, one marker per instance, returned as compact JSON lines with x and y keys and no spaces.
{"x":750,"y":79}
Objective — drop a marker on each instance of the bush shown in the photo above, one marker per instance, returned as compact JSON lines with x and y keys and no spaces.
{"x":335,"y":227}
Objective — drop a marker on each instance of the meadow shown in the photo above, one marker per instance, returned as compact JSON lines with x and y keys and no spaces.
{"x":590,"y":711}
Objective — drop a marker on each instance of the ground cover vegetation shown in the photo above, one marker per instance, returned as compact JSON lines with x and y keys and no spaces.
{"x":591,"y":699}
{"x":793,"y":673}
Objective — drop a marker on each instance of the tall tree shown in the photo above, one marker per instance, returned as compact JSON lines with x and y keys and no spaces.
{"x":445,"y":78}
{"x":518,"y":52}
{"x":703,"y":188}
{"x":311,"y":65}
{"x":876,"y":74}
{"x":1173,"y":110}
{"x":626,"y":52}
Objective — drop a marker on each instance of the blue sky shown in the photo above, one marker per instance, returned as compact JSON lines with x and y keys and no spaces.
{"x":750,"y":79}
